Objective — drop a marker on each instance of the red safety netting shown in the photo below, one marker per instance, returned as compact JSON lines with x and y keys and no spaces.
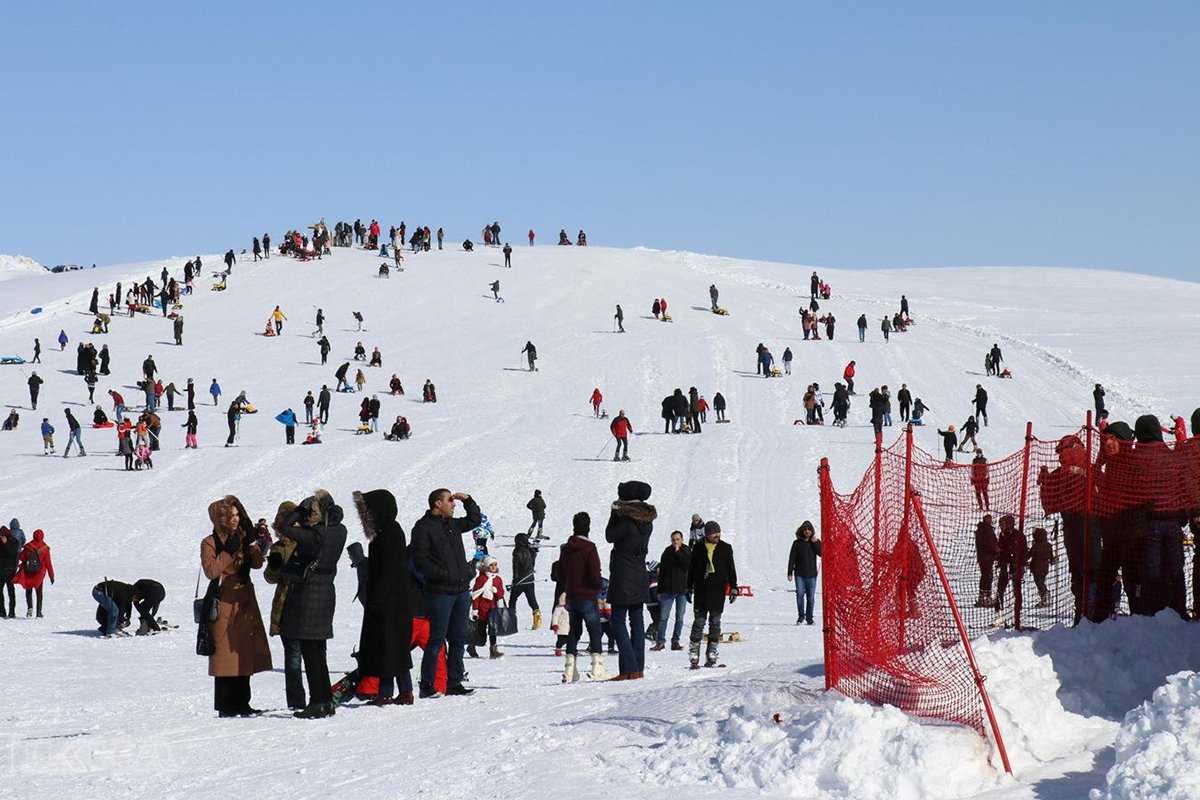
{"x":926,"y":554}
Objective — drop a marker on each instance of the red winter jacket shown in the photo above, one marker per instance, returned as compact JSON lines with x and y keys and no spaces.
{"x":480,"y":591}
{"x":849,"y":373}
{"x":597,"y":398}
{"x":579,"y":569}
{"x":36,"y":579}
{"x":621,"y":427}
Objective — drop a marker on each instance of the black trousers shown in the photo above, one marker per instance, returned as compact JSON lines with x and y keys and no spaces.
{"x":231,"y":695}
{"x":526,"y":589}
{"x":316,"y":670}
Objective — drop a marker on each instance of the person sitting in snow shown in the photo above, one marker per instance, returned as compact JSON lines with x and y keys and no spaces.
{"x":360,"y":352}
{"x":400,"y":430}
{"x":376,"y":358}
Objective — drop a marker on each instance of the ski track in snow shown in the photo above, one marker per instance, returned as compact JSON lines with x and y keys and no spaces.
{"x":108,"y":718}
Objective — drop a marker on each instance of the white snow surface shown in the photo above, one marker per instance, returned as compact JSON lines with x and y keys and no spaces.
{"x":85,"y":716}
{"x":1158,"y":746}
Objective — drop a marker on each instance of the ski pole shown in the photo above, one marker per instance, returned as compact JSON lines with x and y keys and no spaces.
{"x":603,"y":449}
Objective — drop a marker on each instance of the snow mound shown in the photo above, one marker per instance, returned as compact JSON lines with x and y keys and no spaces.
{"x":19,"y":267}
{"x":821,"y":747}
{"x":1158,"y":746}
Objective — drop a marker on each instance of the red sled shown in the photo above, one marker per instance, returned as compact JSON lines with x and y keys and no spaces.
{"x":742,"y":590}
{"x":104,"y":425}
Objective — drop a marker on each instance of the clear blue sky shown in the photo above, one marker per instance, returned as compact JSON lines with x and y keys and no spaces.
{"x":837,"y":134}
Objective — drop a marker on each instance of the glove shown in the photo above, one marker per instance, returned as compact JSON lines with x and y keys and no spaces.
{"x":232,"y":545}
{"x":688,"y":597}
{"x":52,"y":581}
{"x":733,"y":595}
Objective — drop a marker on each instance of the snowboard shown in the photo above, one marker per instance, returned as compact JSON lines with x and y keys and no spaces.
{"x":343,"y":690}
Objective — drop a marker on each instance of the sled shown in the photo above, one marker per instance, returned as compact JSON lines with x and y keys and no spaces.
{"x":361,"y":429}
{"x":349,"y":389}
{"x":344,"y":689}
{"x":173,"y":315}
{"x":12,"y":360}
{"x":249,"y":409}
{"x":722,"y":421}
{"x":219,"y":287}
{"x":270,"y":329}
{"x":667,"y":317}
{"x":108,"y":424}
{"x":721,"y":311}
{"x":36,"y":310}
{"x":776,"y":373}
{"x":743,"y":590}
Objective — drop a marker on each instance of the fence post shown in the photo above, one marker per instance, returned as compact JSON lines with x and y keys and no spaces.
{"x":962,"y":630}
{"x":833,"y":567}
{"x":1019,"y":571}
{"x":905,"y":577}
{"x":1088,"y":572}
{"x":875,"y":555}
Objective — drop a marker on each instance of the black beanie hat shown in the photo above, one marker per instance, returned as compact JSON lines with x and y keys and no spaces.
{"x":1121,"y":430}
{"x":581,"y":523}
{"x":1196,"y":422}
{"x":633,"y":490}
{"x":712,"y":526}
{"x":1147,"y":429}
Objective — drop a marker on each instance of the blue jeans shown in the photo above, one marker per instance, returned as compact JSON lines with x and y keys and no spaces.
{"x":629,"y":630}
{"x":293,"y":673}
{"x":862,"y":334}
{"x":110,"y":607}
{"x":76,"y":437}
{"x":805,"y":590}
{"x":583,"y":612}
{"x":1162,"y":563}
{"x":387,"y":684}
{"x":667,"y":601}
{"x":119,"y":411}
{"x":447,"y":625}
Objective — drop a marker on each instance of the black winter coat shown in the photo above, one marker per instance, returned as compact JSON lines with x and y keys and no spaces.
{"x":718,"y":402}
{"x":579,"y":569}
{"x":709,"y":589}
{"x":437,"y":549}
{"x":629,"y":527}
{"x":802,"y":560}
{"x":10,"y":552}
{"x":319,"y":534}
{"x":524,"y":561}
{"x":385,"y":641}
{"x":673,"y":569}
{"x":679,"y":404}
{"x":668,"y":407}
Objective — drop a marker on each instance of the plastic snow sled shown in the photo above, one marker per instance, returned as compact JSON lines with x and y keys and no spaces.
{"x":741,"y":590}
{"x":270,"y":329}
{"x":361,"y":429}
{"x":775,"y":373}
{"x":219,"y":287}
{"x":36,"y":310}
{"x":666,"y":317}
{"x":249,"y":409}
{"x":108,"y":424}
{"x":12,"y":360}
{"x":721,"y":310}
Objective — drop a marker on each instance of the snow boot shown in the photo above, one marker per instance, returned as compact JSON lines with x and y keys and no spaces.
{"x":984,"y":601}
{"x":316,"y":711}
{"x":658,"y":646}
{"x":599,"y":673}
{"x":472,"y":652}
{"x":676,"y":646}
{"x":537,"y":620}
{"x":495,"y":652}
{"x":570,"y":673}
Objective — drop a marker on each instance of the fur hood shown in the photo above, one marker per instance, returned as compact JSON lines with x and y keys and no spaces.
{"x":376,"y":510}
{"x":637,"y":510}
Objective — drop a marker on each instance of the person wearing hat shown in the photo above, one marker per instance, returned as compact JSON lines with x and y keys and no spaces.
{"x":537,"y":506}
{"x":630,"y":525}
{"x":710,"y":577}
{"x":949,"y":441}
{"x":1064,"y":491}
{"x":1159,"y":470}
{"x":579,"y":575}
{"x":620,"y":428}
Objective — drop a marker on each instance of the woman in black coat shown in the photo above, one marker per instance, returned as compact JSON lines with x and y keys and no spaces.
{"x":668,"y":412}
{"x":719,"y":406}
{"x":307,"y":615}
{"x":385,"y":643}
{"x":629,"y":527}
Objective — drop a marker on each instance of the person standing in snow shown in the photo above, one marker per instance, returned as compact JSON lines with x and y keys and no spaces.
{"x":34,"y":565}
{"x":718,"y":405}
{"x":862,"y":328}
{"x":802,"y":568}
{"x":904,"y":398}
{"x":997,"y":357}
{"x":215,"y":390}
{"x":523,"y":581}
{"x":74,"y":437}
{"x":710,"y":577}
{"x":1098,"y":398}
{"x":579,"y":574}
{"x":441,"y":565}
{"x":531,"y":354}
{"x":713,"y":294}
{"x":981,"y":399}
{"x":495,"y":287}
{"x":486,"y":593}
{"x":323,"y":403}
{"x":949,"y":442}
{"x":507,"y":255}
{"x":35,"y":388}
{"x":630,"y":525}
{"x":979,"y":480}
{"x":47,"y":437}
{"x":848,"y":377}
{"x":969,"y":428}
{"x":673,"y":566}
{"x":596,"y":400}
{"x":10,"y":551}
{"x":620,"y":319}
{"x":278,"y":317}
{"x":189,"y":438}
{"x":787,"y":361}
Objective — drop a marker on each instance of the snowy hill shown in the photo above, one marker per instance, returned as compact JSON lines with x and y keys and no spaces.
{"x":19,"y":267}
{"x":110,"y":717}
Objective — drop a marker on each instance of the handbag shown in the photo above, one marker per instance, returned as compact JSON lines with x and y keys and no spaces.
{"x":503,"y":619}
{"x":206,"y":645}
{"x":204,"y":609}
{"x":477,"y":632}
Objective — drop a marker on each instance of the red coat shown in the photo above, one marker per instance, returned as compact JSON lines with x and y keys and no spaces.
{"x":482,"y":604}
{"x":703,"y":405}
{"x":597,"y":398}
{"x":849,"y":373}
{"x":35,"y":580}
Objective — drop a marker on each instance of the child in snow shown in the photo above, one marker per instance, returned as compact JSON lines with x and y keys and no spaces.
{"x":360,"y":380}
{"x":606,"y":616}
{"x":47,"y":436}
{"x":486,"y":594}
{"x":1041,"y":556}
{"x":143,"y":456}
{"x":560,"y":623}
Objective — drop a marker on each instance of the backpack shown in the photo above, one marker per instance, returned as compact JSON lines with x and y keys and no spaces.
{"x":33,"y":562}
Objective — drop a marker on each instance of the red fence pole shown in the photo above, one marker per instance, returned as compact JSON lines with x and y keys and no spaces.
{"x":1019,"y":570}
{"x":1087,"y":519}
{"x":962,"y":630}
{"x":832,"y":567}
{"x":875,"y":558}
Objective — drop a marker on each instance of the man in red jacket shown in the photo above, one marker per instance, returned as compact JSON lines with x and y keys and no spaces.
{"x":621,"y":427}
{"x":848,"y":376}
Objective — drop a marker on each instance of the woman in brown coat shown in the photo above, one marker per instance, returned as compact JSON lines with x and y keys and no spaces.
{"x":241,"y":641}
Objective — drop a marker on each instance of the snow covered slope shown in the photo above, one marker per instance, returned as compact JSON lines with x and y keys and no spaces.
{"x":110,"y":717}
{"x":19,"y":267}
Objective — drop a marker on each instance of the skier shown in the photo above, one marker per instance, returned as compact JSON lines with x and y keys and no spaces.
{"x":848,"y":377}
{"x":531,"y":354}
{"x":537,"y":506}
{"x":969,"y":429}
{"x":320,"y":331}
{"x":711,"y":576}
{"x":523,"y":580}
{"x":621,"y":427}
